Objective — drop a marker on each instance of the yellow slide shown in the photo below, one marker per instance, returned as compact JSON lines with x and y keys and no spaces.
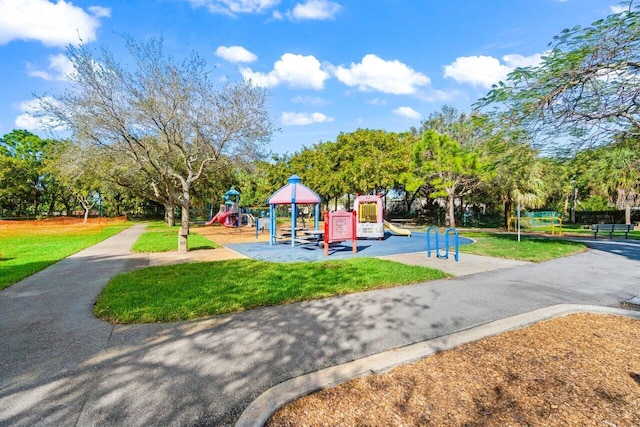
{"x":397,"y":230}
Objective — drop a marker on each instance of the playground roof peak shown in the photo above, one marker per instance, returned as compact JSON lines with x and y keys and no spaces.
{"x":294,"y":179}
{"x":232,"y":192}
{"x":294,"y":193}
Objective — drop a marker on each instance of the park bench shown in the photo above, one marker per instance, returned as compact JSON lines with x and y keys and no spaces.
{"x":611,"y":228}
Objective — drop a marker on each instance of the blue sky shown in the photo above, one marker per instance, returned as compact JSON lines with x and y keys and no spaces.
{"x":330,"y":66}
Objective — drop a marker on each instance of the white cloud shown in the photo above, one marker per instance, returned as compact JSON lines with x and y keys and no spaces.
{"x":235,"y":54}
{"x":59,"y":65}
{"x":53,"y":24}
{"x":384,"y":76}
{"x":378,"y":102}
{"x":407,"y":112}
{"x":31,"y":119}
{"x":485,"y":71}
{"x":303,"y":119}
{"x":315,"y":9}
{"x":28,"y":122}
{"x":618,"y":9}
{"x":310,"y":100}
{"x":100,"y":12}
{"x":297,"y":71}
{"x":440,"y":95}
{"x":233,"y":7}
{"x":515,"y":60}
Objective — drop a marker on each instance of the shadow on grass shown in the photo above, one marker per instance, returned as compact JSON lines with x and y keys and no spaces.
{"x":11,"y":274}
{"x":202,"y":247}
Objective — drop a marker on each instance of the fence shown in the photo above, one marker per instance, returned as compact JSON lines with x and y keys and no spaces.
{"x":605,"y":217}
{"x":54,"y":226}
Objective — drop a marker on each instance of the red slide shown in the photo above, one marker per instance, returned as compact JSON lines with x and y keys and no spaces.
{"x":220,"y":217}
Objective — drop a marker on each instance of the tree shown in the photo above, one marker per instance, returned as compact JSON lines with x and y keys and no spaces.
{"x":587,"y":86}
{"x":466,"y":129}
{"x":319,"y":168}
{"x":75,"y":168}
{"x":452,"y":170}
{"x":516,"y":174}
{"x":28,"y":151}
{"x":613,"y":171}
{"x":166,"y":116}
{"x":15,"y":190}
{"x":370,"y":161}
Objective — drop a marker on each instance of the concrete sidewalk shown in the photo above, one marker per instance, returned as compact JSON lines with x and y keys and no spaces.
{"x":466,"y":264}
{"x":46,"y":320}
{"x":61,"y":366}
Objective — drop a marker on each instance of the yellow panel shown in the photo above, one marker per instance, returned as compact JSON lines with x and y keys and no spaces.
{"x":368,"y":212}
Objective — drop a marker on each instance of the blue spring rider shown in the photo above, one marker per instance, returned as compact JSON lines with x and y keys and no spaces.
{"x":444,"y":253}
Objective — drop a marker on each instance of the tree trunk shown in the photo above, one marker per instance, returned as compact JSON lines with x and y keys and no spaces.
{"x":52,"y":204}
{"x":508,"y":205}
{"x":36,"y":202}
{"x":183,"y":233}
{"x":451,"y":210}
{"x":170,"y":215}
{"x":86,"y":207}
{"x":627,"y":214}
{"x":67,"y":207}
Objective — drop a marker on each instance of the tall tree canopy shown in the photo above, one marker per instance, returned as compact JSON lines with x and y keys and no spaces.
{"x":370,"y":161}
{"x":451,"y":169}
{"x":612,"y":172}
{"x":164,"y":115}
{"x":24,"y":180}
{"x":587,"y":86}
{"x":76,"y":168}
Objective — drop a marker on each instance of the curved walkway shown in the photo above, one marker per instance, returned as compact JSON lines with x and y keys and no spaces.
{"x":61,"y":366}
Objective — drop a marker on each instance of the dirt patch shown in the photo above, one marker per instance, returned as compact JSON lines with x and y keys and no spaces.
{"x":224,"y":235}
{"x":582,"y":369}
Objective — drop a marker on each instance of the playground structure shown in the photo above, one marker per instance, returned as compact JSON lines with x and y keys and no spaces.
{"x":444,"y":253}
{"x":340,"y":226}
{"x":230,"y":213}
{"x":397,"y":230}
{"x":369,"y":217}
{"x":370,"y":222}
{"x":294,"y":194}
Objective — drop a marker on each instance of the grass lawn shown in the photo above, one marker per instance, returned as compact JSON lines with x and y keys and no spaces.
{"x":581,"y":230}
{"x":189,"y":291}
{"x":529,"y":248}
{"x":159,"y":237}
{"x":32,"y":250}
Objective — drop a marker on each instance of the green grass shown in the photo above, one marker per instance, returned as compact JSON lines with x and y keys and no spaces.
{"x":533,"y":249}
{"x":159,"y":237}
{"x":580,"y":229}
{"x":189,"y":291}
{"x":27,"y":254}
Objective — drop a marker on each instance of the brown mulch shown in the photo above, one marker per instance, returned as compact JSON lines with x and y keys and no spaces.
{"x":223,"y":235}
{"x":579,"y":370}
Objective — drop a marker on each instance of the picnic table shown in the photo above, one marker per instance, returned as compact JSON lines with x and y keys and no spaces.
{"x":312,"y":236}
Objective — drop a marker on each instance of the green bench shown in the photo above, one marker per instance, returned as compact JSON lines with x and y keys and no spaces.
{"x":611,"y":228}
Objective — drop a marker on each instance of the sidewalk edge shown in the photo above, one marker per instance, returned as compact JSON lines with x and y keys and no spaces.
{"x":259,"y":411}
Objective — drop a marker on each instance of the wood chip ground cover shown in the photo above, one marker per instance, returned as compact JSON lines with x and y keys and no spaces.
{"x":579,"y":370}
